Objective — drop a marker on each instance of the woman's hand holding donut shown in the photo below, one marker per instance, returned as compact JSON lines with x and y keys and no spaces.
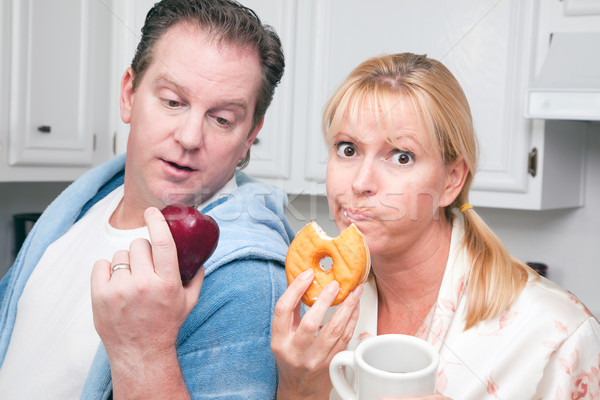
{"x":303,"y":348}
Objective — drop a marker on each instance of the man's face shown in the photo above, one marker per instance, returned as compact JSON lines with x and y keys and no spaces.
{"x":190,"y":118}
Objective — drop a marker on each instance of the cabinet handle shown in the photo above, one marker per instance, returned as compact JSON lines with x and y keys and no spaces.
{"x":45,"y":128}
{"x":532,"y":162}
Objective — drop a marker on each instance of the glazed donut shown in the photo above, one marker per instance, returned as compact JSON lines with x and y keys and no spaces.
{"x":348,"y":251}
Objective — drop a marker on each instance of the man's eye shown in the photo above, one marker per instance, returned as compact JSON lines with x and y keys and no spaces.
{"x":403,"y":157}
{"x":222,"y":121}
{"x":173,"y":103}
{"x":345,"y":149}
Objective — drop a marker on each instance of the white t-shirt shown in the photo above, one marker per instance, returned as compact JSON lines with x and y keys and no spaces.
{"x":54,"y":340}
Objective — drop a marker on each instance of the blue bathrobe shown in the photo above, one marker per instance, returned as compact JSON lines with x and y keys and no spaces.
{"x":223,"y":346}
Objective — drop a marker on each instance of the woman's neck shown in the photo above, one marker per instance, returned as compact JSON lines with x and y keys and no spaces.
{"x":408,"y":284}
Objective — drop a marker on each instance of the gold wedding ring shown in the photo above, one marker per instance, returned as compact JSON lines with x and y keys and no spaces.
{"x":120,"y":266}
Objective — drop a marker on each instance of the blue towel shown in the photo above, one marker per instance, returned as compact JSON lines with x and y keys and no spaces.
{"x":230,"y":325}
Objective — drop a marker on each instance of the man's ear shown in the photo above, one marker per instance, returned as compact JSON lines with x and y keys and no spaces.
{"x":253,"y":133}
{"x":456,"y":175}
{"x":127,"y":94}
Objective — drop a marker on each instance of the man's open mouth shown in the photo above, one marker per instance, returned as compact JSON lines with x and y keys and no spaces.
{"x":181,"y":167}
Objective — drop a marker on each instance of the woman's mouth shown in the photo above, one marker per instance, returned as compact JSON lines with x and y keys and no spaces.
{"x":356,"y":215}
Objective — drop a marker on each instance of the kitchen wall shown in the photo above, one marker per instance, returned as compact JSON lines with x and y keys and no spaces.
{"x":16,"y":198}
{"x":568,"y":241}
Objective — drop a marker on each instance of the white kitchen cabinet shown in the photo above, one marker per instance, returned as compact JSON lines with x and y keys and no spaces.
{"x":128,"y":18}
{"x":270,"y":154}
{"x":53,"y":101}
{"x":493,"y":48}
{"x":489,"y":45}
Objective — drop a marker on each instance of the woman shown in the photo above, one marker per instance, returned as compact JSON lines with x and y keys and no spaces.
{"x":402,"y":159}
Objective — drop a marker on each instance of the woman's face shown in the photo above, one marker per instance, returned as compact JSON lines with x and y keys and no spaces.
{"x":388,"y":181}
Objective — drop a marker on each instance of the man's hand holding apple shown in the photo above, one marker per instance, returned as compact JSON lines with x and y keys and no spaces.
{"x":138,"y":311}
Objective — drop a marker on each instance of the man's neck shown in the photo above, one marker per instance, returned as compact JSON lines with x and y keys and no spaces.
{"x":129,"y":214}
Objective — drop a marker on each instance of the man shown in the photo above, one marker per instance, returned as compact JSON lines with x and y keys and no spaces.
{"x":195,"y":98}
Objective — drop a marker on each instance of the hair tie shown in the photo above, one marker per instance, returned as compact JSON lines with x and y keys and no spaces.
{"x":465,"y":207}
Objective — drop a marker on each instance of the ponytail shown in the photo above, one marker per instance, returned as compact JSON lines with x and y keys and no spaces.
{"x":496,"y":278}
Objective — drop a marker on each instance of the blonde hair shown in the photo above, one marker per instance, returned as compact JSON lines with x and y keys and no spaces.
{"x":385,"y":82}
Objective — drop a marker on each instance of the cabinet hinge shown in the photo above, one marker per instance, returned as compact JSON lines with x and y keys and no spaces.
{"x":532,"y":162}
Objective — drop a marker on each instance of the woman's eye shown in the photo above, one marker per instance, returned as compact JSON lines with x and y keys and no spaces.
{"x":403,"y":157}
{"x":345,"y":149}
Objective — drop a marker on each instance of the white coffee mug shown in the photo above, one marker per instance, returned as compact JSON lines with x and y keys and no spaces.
{"x":386,"y":366}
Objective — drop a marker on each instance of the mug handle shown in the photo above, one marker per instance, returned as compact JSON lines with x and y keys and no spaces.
{"x":336,"y":373}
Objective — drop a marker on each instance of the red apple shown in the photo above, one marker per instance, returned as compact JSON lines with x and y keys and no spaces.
{"x":195,"y":235}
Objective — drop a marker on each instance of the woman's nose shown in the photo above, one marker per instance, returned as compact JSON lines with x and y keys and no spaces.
{"x":365,"y":180}
{"x":190,"y":134}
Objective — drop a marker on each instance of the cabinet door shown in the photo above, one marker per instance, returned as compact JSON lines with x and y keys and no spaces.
{"x":49,"y":117}
{"x":270,"y":154}
{"x":128,"y":19}
{"x":483,"y":42}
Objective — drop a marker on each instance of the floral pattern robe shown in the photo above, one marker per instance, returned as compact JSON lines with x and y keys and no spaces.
{"x":546,"y":346}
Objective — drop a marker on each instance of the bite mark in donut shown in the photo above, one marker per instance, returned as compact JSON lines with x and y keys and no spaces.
{"x":348,"y":251}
